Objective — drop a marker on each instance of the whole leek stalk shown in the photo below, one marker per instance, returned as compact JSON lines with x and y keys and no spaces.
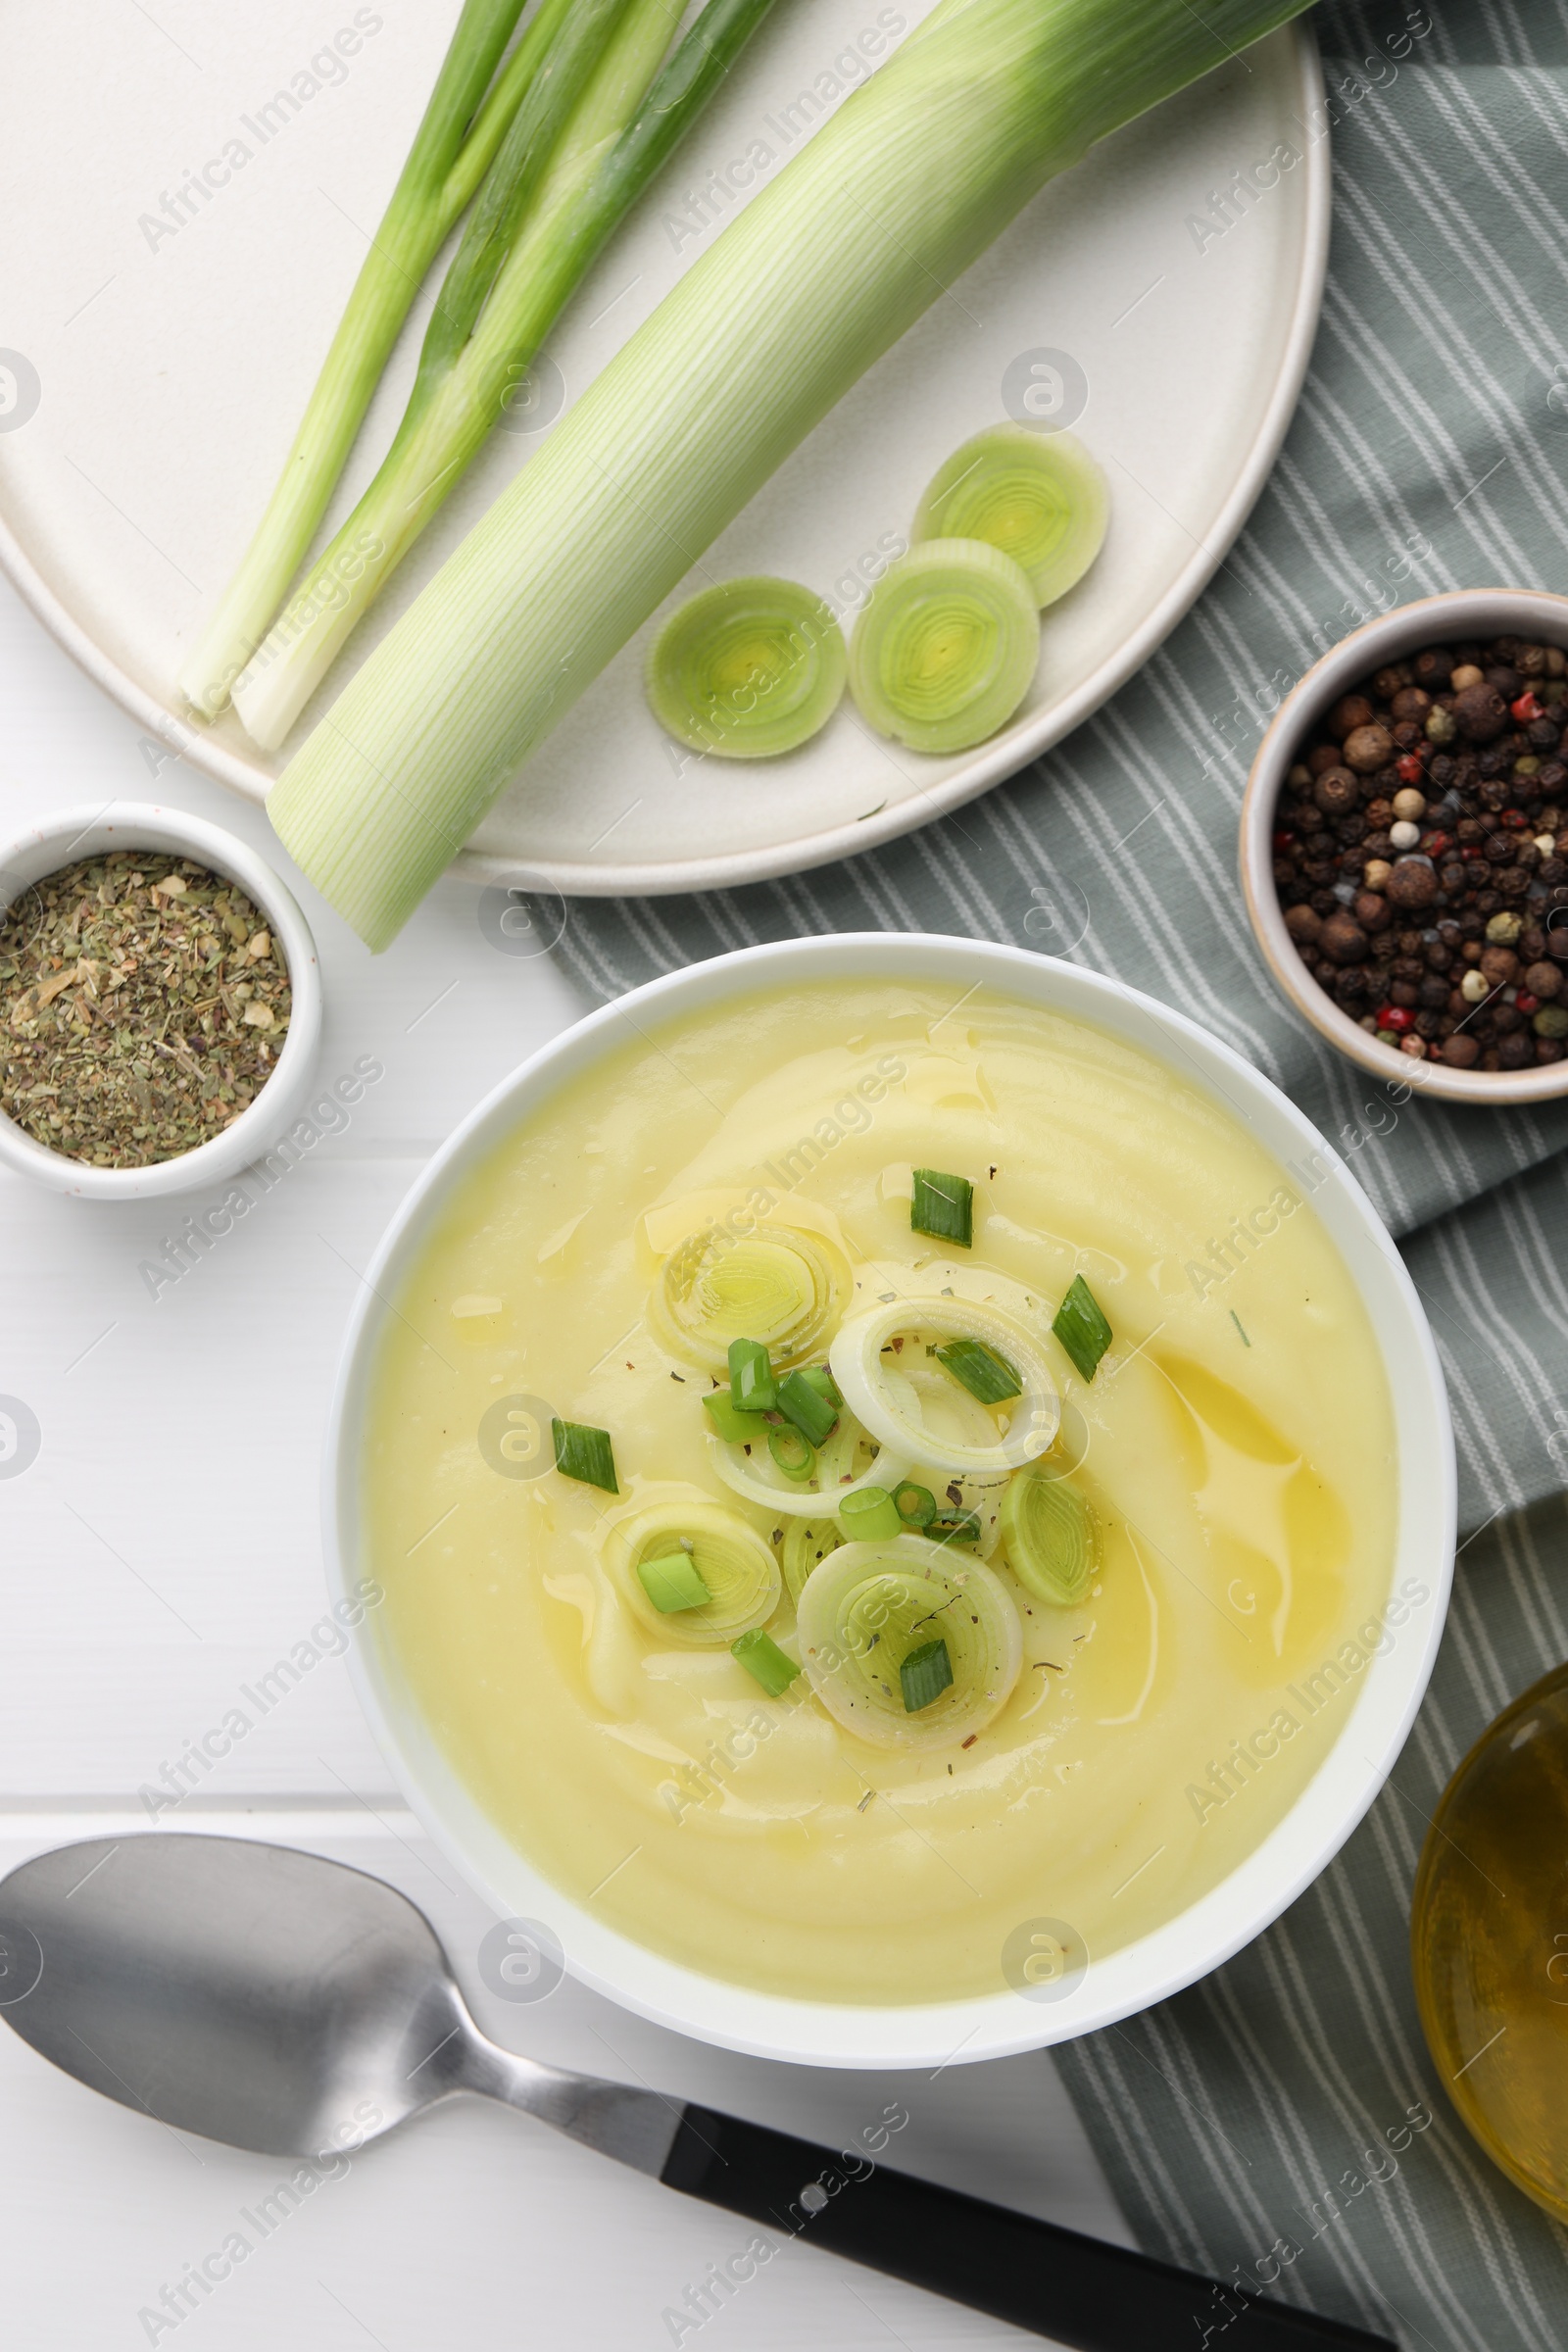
{"x":455,"y":145}
{"x":827,"y":266}
{"x":524,"y":254}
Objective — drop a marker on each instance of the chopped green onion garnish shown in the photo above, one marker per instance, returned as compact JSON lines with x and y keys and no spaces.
{"x":584,"y":1453}
{"x":1081,"y":1327}
{"x":751,"y":1377}
{"x":672,"y":1582}
{"x":926,"y":1674}
{"x":869,"y":1515}
{"x":733,"y":1426}
{"x":958,"y":1527}
{"x":801,"y":1400}
{"x":765,"y":1661}
{"x":916,"y":1505}
{"x":819,"y":1378}
{"x":980,"y":1370}
{"x":792,"y":1452}
{"x":943,"y":1207}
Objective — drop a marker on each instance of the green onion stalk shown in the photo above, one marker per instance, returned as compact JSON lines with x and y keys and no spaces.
{"x":541,"y":221}
{"x":455,"y":146}
{"x":890,"y":201}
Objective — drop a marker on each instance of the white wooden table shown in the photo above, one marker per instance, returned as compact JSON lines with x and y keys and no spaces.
{"x":162,"y":1550}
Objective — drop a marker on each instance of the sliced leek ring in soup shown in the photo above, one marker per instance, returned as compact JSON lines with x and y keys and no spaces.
{"x":781,"y":1287}
{"x":643,"y":1552}
{"x":845,"y":1462}
{"x":870,"y":1617}
{"x":883,"y":1360}
{"x":807,"y":1544}
{"x":1051,"y":1537}
{"x":968,"y":1504}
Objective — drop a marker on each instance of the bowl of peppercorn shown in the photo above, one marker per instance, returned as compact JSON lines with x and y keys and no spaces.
{"x":1404,"y":846}
{"x":159,"y":1003}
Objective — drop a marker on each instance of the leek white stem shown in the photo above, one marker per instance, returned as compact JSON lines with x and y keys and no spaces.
{"x":454,"y":147}
{"x":826,"y":267}
{"x":525,"y":252}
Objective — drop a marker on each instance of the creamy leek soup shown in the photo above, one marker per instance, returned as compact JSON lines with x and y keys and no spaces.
{"x":855,"y":1476}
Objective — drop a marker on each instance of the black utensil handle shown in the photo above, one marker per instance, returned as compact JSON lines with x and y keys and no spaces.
{"x":1094,"y":2296}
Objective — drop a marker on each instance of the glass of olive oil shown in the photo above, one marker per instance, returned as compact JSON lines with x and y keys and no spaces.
{"x":1490,"y":1940}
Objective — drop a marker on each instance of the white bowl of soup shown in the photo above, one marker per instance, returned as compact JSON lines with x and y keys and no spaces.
{"x":902,"y":1498}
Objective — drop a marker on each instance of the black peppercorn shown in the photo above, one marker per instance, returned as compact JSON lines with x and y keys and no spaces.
{"x":1489,"y":791}
{"x":1336,"y":792}
{"x":1480,"y":712}
{"x":1343,"y":938}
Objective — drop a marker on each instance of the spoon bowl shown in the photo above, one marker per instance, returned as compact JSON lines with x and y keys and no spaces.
{"x":207,"y":1981}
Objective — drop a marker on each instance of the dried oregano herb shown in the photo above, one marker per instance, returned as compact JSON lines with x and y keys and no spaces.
{"x":143,"y":1005}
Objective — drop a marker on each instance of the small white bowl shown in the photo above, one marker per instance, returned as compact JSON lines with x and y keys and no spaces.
{"x":1458,"y":614}
{"x":79,"y":833}
{"x":933,"y":2034}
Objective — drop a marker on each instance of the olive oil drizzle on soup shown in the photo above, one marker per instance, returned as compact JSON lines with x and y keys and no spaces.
{"x":1234,"y":1453}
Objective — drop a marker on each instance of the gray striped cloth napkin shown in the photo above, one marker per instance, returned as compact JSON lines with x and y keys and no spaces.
{"x":1234,"y":2121}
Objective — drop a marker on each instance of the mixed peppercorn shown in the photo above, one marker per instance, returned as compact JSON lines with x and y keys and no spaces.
{"x":1421,"y":855}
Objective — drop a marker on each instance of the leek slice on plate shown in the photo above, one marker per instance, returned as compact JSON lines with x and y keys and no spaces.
{"x":748,"y":669}
{"x":947,"y":646}
{"x":1038,"y":497}
{"x":736,"y":1568}
{"x":870,"y":1608}
{"x":783,"y":1287}
{"x":1051,"y":1536}
{"x":884,"y":1360}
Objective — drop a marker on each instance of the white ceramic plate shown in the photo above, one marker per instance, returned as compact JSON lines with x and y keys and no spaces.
{"x":151,"y":378}
{"x":1273,"y":1875}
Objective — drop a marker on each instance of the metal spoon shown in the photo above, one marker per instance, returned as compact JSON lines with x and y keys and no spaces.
{"x":286,"y":2003}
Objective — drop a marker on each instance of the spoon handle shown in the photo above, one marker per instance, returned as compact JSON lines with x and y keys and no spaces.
{"x":1055,"y":2282}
